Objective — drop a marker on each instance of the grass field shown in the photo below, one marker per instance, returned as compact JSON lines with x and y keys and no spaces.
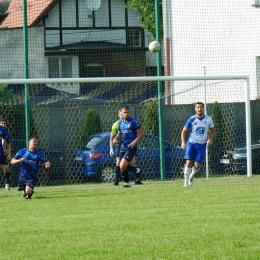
{"x":218,"y":218}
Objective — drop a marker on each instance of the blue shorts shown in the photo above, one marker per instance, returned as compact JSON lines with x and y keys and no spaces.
{"x":27,"y":182}
{"x":3,"y":160}
{"x":128,"y":154}
{"x":195,"y":152}
{"x":117,"y":150}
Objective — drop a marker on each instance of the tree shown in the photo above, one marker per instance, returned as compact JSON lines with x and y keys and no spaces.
{"x":92,"y":124}
{"x":147,"y":16}
{"x":151,"y":124}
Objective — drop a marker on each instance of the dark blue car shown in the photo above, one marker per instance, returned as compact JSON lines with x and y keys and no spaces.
{"x":93,"y":158}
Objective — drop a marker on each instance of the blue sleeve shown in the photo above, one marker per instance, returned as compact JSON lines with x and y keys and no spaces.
{"x":41,"y":156}
{"x":2,"y":132}
{"x":19,"y":154}
{"x":189,"y":122}
{"x":137,"y":125}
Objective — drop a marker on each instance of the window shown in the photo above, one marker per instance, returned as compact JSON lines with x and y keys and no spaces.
{"x":94,"y":71}
{"x":134,"y":37}
{"x":60,"y":67}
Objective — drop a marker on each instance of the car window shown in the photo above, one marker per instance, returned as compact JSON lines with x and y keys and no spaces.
{"x":94,"y":143}
{"x":148,"y":143}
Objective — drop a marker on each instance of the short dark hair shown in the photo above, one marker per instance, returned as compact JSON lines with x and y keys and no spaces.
{"x":199,"y":103}
{"x":125,"y":107}
{"x":3,"y":120}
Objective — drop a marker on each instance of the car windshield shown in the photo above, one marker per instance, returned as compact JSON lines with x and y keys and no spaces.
{"x":93,"y":143}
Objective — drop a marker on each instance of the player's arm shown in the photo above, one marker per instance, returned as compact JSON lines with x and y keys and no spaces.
{"x":140,"y":135}
{"x":212,"y":135}
{"x":111,"y":152}
{"x":15,"y":161}
{"x":112,"y":137}
{"x":118,"y":136}
{"x":183,"y":137}
{"x":9,"y":151}
{"x":4,"y":145}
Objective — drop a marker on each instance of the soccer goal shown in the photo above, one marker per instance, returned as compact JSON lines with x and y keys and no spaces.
{"x":67,"y":114}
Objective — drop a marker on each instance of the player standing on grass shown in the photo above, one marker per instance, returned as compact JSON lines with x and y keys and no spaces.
{"x":3,"y":152}
{"x":195,"y":148}
{"x":131,"y":132}
{"x":29,"y":159}
{"x":115,"y":150}
{"x":5,"y":166}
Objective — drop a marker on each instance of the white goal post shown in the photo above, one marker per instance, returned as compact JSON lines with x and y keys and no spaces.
{"x":158,"y":79}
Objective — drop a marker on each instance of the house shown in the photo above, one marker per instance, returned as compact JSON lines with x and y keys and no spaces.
{"x":214,"y":38}
{"x":76,"y":38}
{"x":70,"y":38}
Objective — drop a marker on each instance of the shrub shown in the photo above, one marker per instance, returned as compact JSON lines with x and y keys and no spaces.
{"x":92,"y":124}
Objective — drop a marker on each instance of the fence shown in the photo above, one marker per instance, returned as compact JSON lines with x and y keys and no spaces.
{"x":58,"y":122}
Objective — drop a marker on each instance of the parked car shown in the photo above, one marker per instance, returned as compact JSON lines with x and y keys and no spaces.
{"x":235,"y":161}
{"x":93,"y":159}
{"x":46,"y":176}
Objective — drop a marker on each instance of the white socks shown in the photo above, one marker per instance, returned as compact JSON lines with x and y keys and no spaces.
{"x":187,"y":172}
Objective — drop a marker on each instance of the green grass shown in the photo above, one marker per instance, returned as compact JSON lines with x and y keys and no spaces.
{"x":218,"y":218}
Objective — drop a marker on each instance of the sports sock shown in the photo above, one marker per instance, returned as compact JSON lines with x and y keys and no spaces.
{"x":194,"y":170}
{"x":117,"y":173}
{"x":7,"y":177}
{"x":131,"y":168}
{"x":187,"y":172}
{"x":126,"y":176}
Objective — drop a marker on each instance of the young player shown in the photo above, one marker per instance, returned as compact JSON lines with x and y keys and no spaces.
{"x":131,"y":132}
{"x":29,"y":159}
{"x":5,"y":166}
{"x":195,"y":149}
{"x":115,"y":150}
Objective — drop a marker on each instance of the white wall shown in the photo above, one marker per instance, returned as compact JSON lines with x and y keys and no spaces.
{"x":11,"y":42}
{"x":222,"y":36}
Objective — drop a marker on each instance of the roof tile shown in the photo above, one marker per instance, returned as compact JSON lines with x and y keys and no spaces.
{"x":35,"y":8}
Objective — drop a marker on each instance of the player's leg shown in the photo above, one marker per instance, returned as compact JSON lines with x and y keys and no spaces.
{"x":21,"y":185}
{"x":137,"y":175}
{"x":199,"y":157}
{"x":123,"y":167}
{"x":125,"y":164}
{"x":30,"y":184}
{"x":117,"y":168}
{"x":4,"y":163}
{"x":189,"y":156}
{"x":130,"y":154}
{"x":7,"y":176}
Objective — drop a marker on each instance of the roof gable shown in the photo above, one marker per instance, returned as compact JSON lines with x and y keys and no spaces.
{"x":35,"y":9}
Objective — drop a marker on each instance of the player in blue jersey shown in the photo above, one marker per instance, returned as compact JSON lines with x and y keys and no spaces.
{"x":29,"y":159}
{"x":195,"y":149}
{"x":3,"y":151}
{"x":115,"y":151}
{"x":131,"y":132}
{"x":5,"y":166}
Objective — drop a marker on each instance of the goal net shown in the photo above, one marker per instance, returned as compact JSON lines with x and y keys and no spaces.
{"x":68,"y":115}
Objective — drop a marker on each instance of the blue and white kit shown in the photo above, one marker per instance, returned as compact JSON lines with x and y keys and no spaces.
{"x":199,"y":129}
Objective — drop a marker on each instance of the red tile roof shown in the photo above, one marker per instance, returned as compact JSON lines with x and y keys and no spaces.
{"x":35,"y":8}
